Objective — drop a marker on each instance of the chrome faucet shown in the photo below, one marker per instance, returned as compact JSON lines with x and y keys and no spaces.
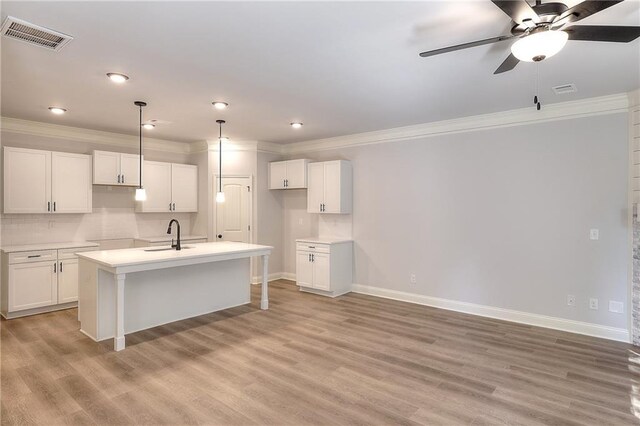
{"x":177,"y":244}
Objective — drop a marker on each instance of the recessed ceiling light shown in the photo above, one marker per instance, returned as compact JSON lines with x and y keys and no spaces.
{"x":57,"y":110}
{"x":220,"y":105}
{"x":117,"y":77}
{"x":148,"y":126}
{"x":296,"y":125}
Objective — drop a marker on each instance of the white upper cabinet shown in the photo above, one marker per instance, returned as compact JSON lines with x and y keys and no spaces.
{"x":184,"y":187}
{"x":330,"y":187}
{"x":71,"y":183}
{"x":170,"y":187}
{"x":114,"y":168}
{"x":290,"y":174}
{"x":37,"y":181}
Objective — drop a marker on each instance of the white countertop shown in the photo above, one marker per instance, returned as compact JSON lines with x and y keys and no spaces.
{"x":48,"y":246}
{"x":168,"y":237}
{"x":147,"y":258}
{"x":324,"y":240}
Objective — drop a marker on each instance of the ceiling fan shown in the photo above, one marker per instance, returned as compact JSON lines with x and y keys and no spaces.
{"x":543,"y":29}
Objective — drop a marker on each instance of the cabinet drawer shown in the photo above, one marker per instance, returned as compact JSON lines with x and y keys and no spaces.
{"x":32,"y":256}
{"x":70,"y":252}
{"x":313,"y":247}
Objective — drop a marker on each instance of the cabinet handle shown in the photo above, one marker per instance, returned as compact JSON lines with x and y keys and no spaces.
{"x":309,"y":257}
{"x":313,"y":257}
{"x":118,"y":178}
{"x":174,"y":207}
{"x":48,"y":206}
{"x":54,"y":206}
{"x":169,"y":206}
{"x":122,"y":178}
{"x":60,"y":266}
{"x":33,"y":256}
{"x":55,"y":266}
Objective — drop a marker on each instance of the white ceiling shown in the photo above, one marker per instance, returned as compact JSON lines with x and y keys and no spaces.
{"x":341,"y":68}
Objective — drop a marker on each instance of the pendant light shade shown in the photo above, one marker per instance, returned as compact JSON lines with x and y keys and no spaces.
{"x":141,"y":194}
{"x":220,"y":194}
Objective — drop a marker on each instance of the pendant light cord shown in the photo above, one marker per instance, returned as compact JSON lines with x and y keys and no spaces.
{"x":220,"y":157}
{"x":140,"y":156}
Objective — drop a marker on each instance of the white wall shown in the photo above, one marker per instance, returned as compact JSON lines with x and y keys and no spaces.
{"x":495,"y":217}
{"x":113,"y":215}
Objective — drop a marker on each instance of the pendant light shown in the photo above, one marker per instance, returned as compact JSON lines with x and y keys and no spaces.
{"x":220,"y":194}
{"x":141,"y":194}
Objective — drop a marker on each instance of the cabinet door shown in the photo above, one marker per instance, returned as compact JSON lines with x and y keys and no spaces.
{"x":277,"y":174}
{"x":315,"y":191}
{"x":156,"y":180}
{"x":321,"y":271}
{"x":296,"y":174}
{"x":184,"y":187}
{"x":32,"y":285}
{"x":106,"y":168}
{"x":304,"y":269}
{"x":130,"y":169}
{"x":332,"y":187}
{"x":67,"y":280}
{"x":71,"y":183}
{"x":27,"y":180}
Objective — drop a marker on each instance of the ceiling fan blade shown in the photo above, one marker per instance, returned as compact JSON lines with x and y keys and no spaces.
{"x":518,"y":10}
{"x":508,"y":64}
{"x":464,"y":46}
{"x":584,"y":9}
{"x":611,"y":33}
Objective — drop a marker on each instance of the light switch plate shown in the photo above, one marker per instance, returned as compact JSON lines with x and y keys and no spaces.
{"x":593,"y":303}
{"x":571,"y":300}
{"x":594,"y":234}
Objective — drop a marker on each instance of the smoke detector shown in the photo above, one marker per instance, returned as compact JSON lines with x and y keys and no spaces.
{"x":563,"y":89}
{"x":34,"y":34}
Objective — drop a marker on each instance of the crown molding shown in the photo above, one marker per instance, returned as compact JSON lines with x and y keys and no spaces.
{"x":560,"y":111}
{"x":235,"y":145}
{"x":77,"y":134}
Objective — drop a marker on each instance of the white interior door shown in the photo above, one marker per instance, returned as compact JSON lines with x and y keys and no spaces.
{"x":130,"y":169}
{"x":27,"y":180}
{"x":233,"y":217}
{"x":71,"y":190}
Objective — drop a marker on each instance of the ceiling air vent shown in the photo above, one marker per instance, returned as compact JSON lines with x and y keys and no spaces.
{"x":33,"y":34}
{"x":563,"y":89}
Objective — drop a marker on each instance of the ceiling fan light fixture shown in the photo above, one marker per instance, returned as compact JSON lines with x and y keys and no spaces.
{"x":539,"y":45}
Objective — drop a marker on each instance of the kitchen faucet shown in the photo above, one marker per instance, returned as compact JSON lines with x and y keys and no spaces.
{"x":177,"y":244}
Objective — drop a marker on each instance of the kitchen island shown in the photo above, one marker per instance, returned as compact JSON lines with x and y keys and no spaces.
{"x":163,"y":285}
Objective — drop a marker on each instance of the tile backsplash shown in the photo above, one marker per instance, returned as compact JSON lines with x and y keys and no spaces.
{"x":113,"y":217}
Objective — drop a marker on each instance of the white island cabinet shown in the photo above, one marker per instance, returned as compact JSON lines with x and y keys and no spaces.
{"x":124,"y":291}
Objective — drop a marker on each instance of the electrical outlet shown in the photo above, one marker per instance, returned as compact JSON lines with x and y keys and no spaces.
{"x":593,"y":303}
{"x":616,"y":307}
{"x":571,"y":300}
{"x":412,"y":278}
{"x":594,"y":234}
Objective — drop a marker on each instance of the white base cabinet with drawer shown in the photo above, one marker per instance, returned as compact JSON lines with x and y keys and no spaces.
{"x":38,"y":281}
{"x":324,"y":266}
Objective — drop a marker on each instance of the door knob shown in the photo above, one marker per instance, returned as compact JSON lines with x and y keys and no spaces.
{"x":219,"y":235}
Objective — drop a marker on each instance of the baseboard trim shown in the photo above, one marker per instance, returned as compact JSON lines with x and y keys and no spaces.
{"x":273,"y":277}
{"x":579,"y":327}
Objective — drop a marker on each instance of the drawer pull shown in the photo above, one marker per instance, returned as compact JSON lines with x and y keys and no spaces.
{"x":32,"y":256}
{"x":312,"y":246}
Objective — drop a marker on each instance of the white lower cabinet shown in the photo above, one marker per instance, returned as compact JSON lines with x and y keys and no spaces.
{"x":35,"y":281}
{"x":324,"y":266}
{"x":32,"y":285}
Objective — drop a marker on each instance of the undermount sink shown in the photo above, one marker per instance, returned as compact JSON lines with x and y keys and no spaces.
{"x":166,"y":248}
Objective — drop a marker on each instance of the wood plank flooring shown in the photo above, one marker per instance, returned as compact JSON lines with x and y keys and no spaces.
{"x":313,"y":360}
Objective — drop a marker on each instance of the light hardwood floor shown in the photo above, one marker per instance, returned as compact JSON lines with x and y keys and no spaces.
{"x":313,"y":360}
